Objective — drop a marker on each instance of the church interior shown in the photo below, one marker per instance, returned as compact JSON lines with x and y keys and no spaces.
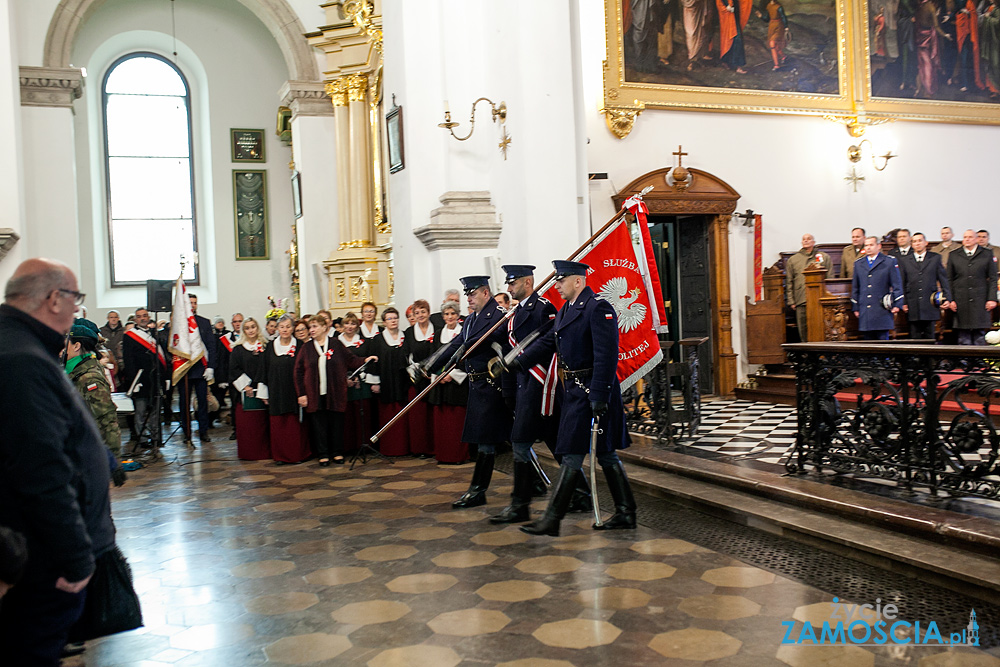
{"x":354,"y":151}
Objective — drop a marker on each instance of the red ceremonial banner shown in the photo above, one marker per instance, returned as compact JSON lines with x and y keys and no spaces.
{"x":615,"y":275}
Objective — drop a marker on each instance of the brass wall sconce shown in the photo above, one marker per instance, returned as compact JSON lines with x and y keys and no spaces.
{"x":499,"y":115}
{"x":854,"y":154}
{"x":857,"y":123}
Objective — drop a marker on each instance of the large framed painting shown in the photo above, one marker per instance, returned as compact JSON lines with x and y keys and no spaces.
{"x":791,"y":56}
{"x":250,"y":212}
{"x":931,"y":59}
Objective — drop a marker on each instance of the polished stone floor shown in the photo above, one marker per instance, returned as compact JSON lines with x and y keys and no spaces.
{"x":249,"y":563}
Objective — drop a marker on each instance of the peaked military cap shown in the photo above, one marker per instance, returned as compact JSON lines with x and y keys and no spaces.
{"x":566,"y":268}
{"x":472,"y":283}
{"x":515,"y":271}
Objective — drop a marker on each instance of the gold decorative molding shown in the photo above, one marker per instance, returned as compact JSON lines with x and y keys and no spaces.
{"x":360,"y":12}
{"x":357,"y":87}
{"x":357,"y":243}
{"x":337,"y":90}
{"x":621,"y":119}
{"x":341,"y":291}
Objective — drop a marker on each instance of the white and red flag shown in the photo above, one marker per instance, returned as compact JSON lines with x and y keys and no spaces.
{"x":185,"y":339}
{"x":620,"y":274}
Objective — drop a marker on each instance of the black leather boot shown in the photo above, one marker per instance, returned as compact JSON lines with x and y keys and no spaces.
{"x":481,"y":476}
{"x":621,"y":492}
{"x":519,"y":509}
{"x":581,"y":501}
{"x":559,"y":499}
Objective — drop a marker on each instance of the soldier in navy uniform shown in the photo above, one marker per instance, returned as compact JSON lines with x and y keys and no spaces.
{"x":488,"y":416}
{"x":875,"y":277}
{"x":923,"y":275}
{"x":530,"y":424}
{"x":585,"y":336}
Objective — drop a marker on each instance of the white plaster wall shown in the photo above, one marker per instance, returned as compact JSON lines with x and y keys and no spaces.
{"x":459,"y":51}
{"x":11,"y":184}
{"x":235,"y":69}
{"x":791,"y":170}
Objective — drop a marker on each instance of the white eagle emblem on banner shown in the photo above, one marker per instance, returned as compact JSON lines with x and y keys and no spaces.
{"x":630,"y":314}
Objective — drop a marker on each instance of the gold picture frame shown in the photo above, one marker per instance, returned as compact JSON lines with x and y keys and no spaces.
{"x":625,"y":99}
{"x":875,"y":97}
{"x":250,"y":214}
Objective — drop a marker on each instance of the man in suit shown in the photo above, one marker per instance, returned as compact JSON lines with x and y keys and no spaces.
{"x":903,"y":247}
{"x":535,"y":413}
{"x":585,"y":337}
{"x":852,"y":252}
{"x":198,"y":377}
{"x":141,"y":352}
{"x":875,"y":277}
{"x":488,"y":418}
{"x":972,"y":275}
{"x":795,"y":288}
{"x":923,"y":276}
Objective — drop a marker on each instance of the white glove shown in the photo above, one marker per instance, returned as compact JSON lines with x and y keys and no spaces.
{"x":223,"y":385}
{"x":209,"y":374}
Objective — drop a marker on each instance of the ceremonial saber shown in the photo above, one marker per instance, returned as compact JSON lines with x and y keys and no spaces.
{"x":451,"y":366}
{"x":594,"y":431}
{"x":533,"y":457}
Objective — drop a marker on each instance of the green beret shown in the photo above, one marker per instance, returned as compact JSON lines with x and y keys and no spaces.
{"x":85,"y":329}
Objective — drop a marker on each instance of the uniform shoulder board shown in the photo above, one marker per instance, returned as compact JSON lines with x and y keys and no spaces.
{"x":92,"y":386}
{"x":542,"y":299}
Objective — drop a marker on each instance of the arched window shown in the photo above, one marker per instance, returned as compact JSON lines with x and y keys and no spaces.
{"x":150,"y":175}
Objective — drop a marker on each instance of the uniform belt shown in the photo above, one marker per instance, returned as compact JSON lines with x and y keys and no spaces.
{"x":479,"y":376}
{"x":566,"y":374}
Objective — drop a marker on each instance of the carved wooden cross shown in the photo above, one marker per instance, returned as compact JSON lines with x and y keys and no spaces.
{"x":680,"y":155}
{"x":854,"y":178}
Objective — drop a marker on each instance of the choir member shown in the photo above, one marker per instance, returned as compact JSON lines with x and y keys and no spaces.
{"x":302,"y":330}
{"x":321,"y":369}
{"x":246,"y":374}
{"x":394,"y":382}
{"x":418,"y":344}
{"x":289,"y":440}
{"x":410,"y":319}
{"x":449,"y":398}
{"x":362,"y":410}
{"x":368,"y":328}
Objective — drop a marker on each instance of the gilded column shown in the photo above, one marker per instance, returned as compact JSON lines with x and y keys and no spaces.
{"x":360,"y":161}
{"x":337,"y":90}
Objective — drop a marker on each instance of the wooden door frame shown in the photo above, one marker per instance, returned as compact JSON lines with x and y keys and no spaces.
{"x":701,"y":194}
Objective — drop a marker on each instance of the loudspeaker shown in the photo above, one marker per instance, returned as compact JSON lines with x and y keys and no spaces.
{"x":158,"y":293}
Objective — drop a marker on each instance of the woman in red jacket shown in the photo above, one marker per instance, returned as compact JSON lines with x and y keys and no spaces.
{"x":321,"y":369}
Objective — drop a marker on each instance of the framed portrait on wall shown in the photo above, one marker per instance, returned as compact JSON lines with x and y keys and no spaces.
{"x":297,"y":194}
{"x":247,"y":145}
{"x":394,"y":137}
{"x":250,"y":213}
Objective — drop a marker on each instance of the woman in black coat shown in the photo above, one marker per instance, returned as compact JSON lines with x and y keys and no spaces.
{"x":246,"y":374}
{"x":449,"y":398}
{"x":393,"y":383}
{"x":289,"y":440}
{"x":418,"y":344}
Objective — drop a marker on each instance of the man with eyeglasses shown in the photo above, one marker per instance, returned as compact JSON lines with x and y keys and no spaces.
{"x":54,"y":469}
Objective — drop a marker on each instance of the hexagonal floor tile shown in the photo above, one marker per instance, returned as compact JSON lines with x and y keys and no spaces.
{"x":499,"y":538}
{"x":281,"y":603}
{"x":355,"y":529}
{"x":640,"y":570}
{"x":719,"y":607}
{"x":611,"y":597}
{"x":371,"y":612}
{"x":420,"y":655}
{"x":421,"y":583}
{"x":549,"y":565}
{"x":386,"y":552}
{"x":336,"y":576}
{"x":577,"y":633}
{"x":695,"y":644}
{"x":426,"y":533}
{"x":311,"y":648}
{"x":463,"y":559}
{"x":263,"y":568}
{"x":738,"y":577}
{"x":804,"y":655}
{"x":663,"y":547}
{"x":469,"y":622}
{"x":513,"y":590}
{"x":535,"y":662}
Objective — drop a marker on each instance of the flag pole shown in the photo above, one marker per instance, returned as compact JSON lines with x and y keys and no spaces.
{"x":617,"y":216}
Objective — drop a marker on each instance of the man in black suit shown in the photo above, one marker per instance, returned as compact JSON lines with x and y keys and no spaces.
{"x":903,"y":247}
{"x":923,"y":275}
{"x":972,"y":275}
{"x":199,"y":375}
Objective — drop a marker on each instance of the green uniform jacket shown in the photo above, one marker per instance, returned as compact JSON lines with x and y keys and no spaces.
{"x":88,"y":378}
{"x":795,"y":287}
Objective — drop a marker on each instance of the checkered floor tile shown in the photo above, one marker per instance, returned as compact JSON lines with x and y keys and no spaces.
{"x":763,"y":431}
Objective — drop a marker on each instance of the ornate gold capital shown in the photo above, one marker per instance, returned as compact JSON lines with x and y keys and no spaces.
{"x":357,"y":87}
{"x":360,"y":12}
{"x":337,"y":90}
{"x":621,"y":119}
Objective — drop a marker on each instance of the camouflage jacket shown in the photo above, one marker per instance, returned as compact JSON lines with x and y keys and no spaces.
{"x":88,"y":378}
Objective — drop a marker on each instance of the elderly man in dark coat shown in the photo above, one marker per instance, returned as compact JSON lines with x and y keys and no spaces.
{"x":923,"y":276}
{"x":585,"y":336}
{"x":876,"y":278}
{"x":488,"y":418}
{"x":53,"y":467}
{"x":972,"y":273}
